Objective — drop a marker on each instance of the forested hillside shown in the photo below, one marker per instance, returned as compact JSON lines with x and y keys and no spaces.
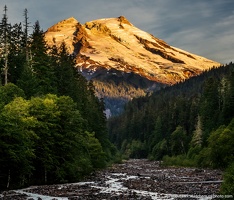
{"x":179,"y":120}
{"x":117,"y":89}
{"x":190,"y":123}
{"x":52,"y":126}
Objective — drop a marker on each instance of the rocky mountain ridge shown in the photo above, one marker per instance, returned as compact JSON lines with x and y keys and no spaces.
{"x":115,"y":43}
{"x":113,"y":49}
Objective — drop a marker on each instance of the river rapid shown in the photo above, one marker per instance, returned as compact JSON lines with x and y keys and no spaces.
{"x":134,"y":179}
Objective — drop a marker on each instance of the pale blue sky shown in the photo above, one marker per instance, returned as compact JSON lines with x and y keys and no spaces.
{"x":203,"y":27}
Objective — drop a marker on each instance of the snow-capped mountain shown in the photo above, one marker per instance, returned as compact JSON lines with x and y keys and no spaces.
{"x":115,"y":43}
{"x":114,"y":50}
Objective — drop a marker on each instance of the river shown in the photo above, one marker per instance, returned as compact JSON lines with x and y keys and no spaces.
{"x":134,"y":179}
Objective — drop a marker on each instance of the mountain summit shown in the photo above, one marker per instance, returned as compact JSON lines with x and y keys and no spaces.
{"x":115,"y":43}
{"x":114,"y":49}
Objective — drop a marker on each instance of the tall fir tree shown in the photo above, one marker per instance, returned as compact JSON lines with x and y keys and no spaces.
{"x":64,"y":71}
{"x":16,"y":53}
{"x":42,"y":69}
{"x":209,"y":106}
{"x":5,"y":41}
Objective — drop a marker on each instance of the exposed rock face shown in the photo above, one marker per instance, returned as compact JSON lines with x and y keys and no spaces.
{"x":114,"y":44}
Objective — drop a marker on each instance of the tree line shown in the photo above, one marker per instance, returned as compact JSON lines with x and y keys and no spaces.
{"x":116,"y":95}
{"x":190,"y":123}
{"x":52,"y":126}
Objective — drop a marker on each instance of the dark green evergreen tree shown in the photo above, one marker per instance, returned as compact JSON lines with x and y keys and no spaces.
{"x":41,"y":67}
{"x":16,"y":55}
{"x":5,"y":33}
{"x":209,"y":106}
{"x":96,"y":117}
{"x":228,"y":98}
{"x":64,"y":71}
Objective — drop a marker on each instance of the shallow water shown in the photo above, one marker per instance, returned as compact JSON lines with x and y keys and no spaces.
{"x":135,"y":179}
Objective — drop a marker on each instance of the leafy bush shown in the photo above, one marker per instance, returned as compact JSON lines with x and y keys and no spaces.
{"x":227,"y":186}
{"x":180,"y":160}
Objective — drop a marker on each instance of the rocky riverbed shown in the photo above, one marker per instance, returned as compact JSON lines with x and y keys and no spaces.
{"x":134,"y":179}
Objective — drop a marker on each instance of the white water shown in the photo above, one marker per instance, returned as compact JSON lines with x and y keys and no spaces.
{"x":113,"y":184}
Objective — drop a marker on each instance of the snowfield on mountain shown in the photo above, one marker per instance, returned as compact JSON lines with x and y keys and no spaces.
{"x":115,"y":43}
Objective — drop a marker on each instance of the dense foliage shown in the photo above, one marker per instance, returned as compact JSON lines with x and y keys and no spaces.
{"x":52,"y":126}
{"x":191,"y":123}
{"x":117,"y":88}
{"x":116,"y":95}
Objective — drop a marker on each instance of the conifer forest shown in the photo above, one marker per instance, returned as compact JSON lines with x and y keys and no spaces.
{"x":188,"y":124}
{"x":53,"y":128}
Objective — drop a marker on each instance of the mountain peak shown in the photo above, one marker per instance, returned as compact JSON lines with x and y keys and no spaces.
{"x":69,"y":20}
{"x":64,"y":24}
{"x":114,"y":43}
{"x":62,"y":32}
{"x":124,"y":20}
